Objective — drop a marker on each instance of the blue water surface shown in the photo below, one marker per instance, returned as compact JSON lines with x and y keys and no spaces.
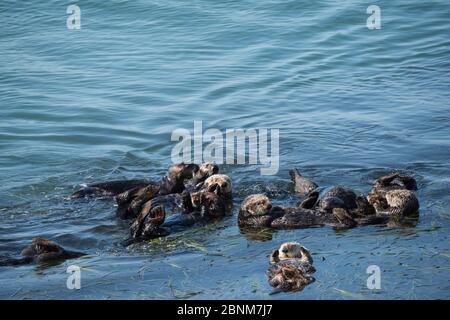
{"x":101,"y":103}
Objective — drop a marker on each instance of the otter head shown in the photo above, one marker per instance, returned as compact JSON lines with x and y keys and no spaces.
{"x":196,"y":199}
{"x":220,"y":184}
{"x":40,"y":246}
{"x":205,"y":171}
{"x":402,"y":202}
{"x":43,"y":250}
{"x":328,"y":203}
{"x":256,"y":211}
{"x":256,"y":205}
{"x":293,"y":250}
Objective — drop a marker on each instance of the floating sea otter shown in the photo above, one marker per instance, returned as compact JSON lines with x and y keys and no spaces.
{"x":172,"y":182}
{"x":339,"y":207}
{"x":40,"y":251}
{"x":290,"y":268}
{"x":198,"y":207}
{"x":163,"y":215}
{"x":130,"y":203}
{"x":187,"y":195}
{"x":394,"y":194}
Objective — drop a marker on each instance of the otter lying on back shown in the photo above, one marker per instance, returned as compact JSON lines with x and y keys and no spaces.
{"x":39,"y":251}
{"x":290,"y":268}
{"x":201,"y":206}
{"x":165,"y":214}
{"x":172,"y":182}
{"x":131,"y":202}
{"x":394,"y":194}
{"x":257,"y":211}
{"x":339,"y":207}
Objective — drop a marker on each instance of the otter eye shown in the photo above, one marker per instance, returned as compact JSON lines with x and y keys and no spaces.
{"x":285,"y":250}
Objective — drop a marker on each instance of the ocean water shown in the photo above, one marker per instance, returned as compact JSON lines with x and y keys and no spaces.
{"x":100,"y":103}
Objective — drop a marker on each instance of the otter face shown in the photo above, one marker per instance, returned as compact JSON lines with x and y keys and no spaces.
{"x":213,"y":206}
{"x":208,"y":204}
{"x":293,"y":250}
{"x":196,"y":199}
{"x":40,"y":246}
{"x":220,"y":184}
{"x":205,"y":171}
{"x":256,"y":205}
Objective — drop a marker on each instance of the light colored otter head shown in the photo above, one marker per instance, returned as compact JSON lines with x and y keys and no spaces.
{"x":220,"y":184}
{"x":256,"y":205}
{"x":402,"y":202}
{"x":293,"y":250}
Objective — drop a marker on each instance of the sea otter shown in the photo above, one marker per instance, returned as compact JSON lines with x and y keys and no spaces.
{"x":162,"y":215}
{"x":199,"y":207}
{"x":40,"y":251}
{"x":172,"y":182}
{"x":131,"y":202}
{"x":290,"y":268}
{"x":257,"y":211}
{"x":302,"y":185}
{"x":394,"y":194}
{"x":219,"y":184}
{"x":330,"y":198}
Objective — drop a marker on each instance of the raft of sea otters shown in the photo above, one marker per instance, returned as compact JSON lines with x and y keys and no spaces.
{"x":190,"y":195}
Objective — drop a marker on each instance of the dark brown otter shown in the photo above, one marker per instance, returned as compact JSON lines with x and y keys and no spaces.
{"x":135,"y":200}
{"x":172,"y":182}
{"x":40,"y":251}
{"x":302,"y":185}
{"x":257,"y":211}
{"x":329,"y":199}
{"x":131,"y":202}
{"x":205,"y":171}
{"x":198,"y":207}
{"x":110,"y":189}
